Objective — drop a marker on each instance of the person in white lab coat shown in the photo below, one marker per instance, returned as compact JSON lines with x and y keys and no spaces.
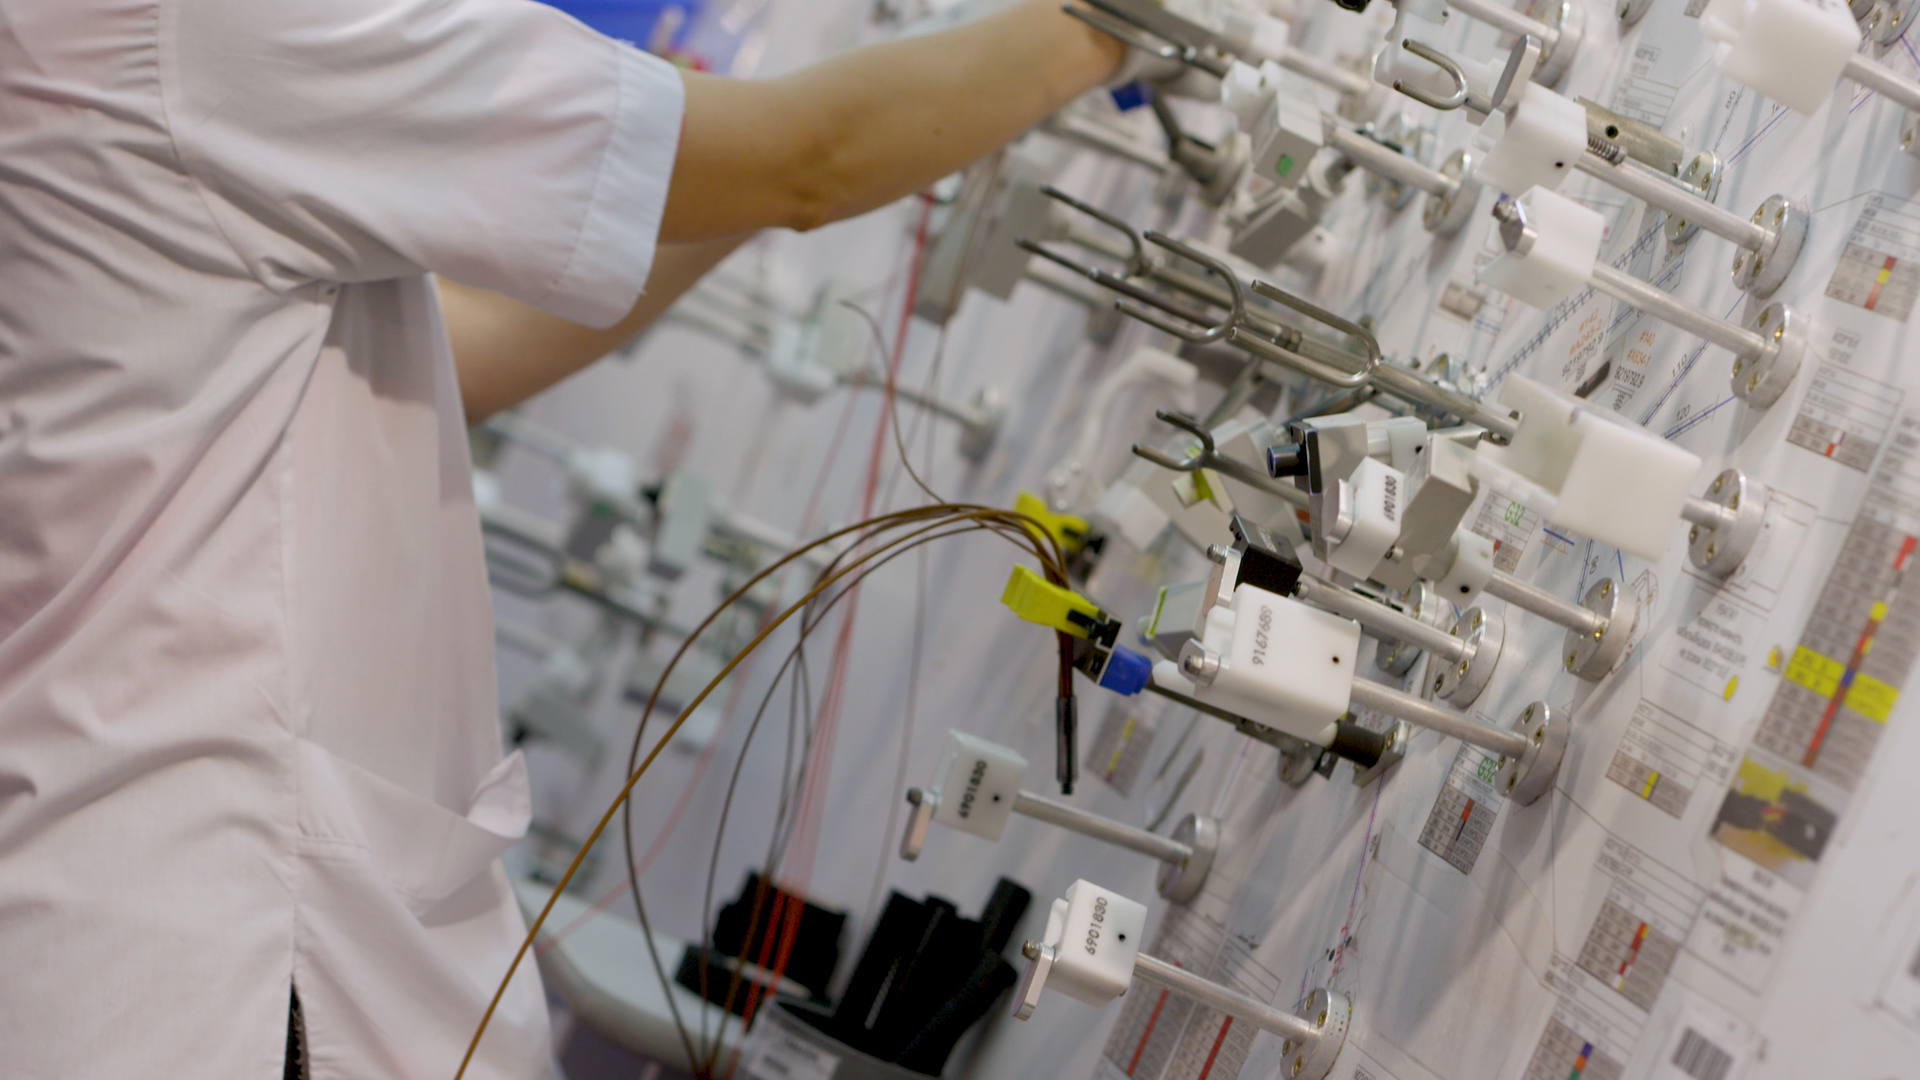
{"x":249,"y":748}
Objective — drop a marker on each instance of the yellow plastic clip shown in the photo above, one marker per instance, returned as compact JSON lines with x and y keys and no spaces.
{"x":1038,"y":600}
{"x":1071,"y":532}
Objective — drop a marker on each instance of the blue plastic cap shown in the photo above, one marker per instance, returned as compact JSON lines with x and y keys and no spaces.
{"x":1131,"y":96}
{"x":1127,"y":672}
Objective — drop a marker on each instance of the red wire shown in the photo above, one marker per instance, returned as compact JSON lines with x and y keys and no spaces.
{"x":812,"y":801}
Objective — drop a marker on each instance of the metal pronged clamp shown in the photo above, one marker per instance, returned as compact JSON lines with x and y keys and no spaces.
{"x":1448,"y":65}
{"x":1208,"y":456}
{"x":1156,"y":32}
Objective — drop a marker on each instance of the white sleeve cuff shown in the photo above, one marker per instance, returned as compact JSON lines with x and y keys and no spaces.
{"x":621,"y":231}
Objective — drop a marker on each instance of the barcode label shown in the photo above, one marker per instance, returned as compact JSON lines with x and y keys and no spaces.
{"x":1700,"y":1058}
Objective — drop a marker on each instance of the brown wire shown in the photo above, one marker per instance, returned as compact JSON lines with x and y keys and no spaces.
{"x":1029,"y":530}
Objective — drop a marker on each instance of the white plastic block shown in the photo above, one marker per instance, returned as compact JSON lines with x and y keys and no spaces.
{"x":979,"y":781}
{"x":787,"y":369}
{"x":1468,"y":567}
{"x":1128,"y":512}
{"x":1793,"y":51}
{"x":1440,"y":489}
{"x":1282,"y":663}
{"x":1590,"y":471}
{"x":1561,"y":259}
{"x":1377,"y":492}
{"x":1287,"y":131}
{"x":1095,"y":935}
{"x":1534,"y":145}
{"x":1626,"y":486}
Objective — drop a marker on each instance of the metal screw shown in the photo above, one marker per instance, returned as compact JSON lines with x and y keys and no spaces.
{"x":1711,"y":550}
{"x":1753,"y":383}
{"x":1573,"y":658}
{"x":1733,"y":501}
{"x":1718,"y":483}
{"x":1606,"y":587}
{"x":1030,"y":950}
{"x":1463,"y":669}
{"x":1298,"y":1064}
{"x":1738,"y":363}
{"x":1323,"y":1018}
{"x":1693,"y":534}
{"x":1539,"y":735}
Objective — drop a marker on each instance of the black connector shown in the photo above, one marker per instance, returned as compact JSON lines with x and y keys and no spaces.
{"x":1266,"y":561}
{"x":1066,"y":732}
{"x":1362,"y":746}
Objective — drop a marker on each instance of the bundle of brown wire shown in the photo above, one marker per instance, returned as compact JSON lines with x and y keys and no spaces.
{"x":871,"y":545}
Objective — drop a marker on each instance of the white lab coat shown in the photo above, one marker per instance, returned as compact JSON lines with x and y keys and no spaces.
{"x":248,"y":733}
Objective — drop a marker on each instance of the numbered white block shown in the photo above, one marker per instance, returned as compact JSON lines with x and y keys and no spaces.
{"x":979,"y":781}
{"x":1280,"y":663}
{"x":1095,"y":936}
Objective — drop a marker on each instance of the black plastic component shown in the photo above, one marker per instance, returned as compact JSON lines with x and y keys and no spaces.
{"x":1266,"y":561}
{"x":1362,"y":746}
{"x":810,"y":964}
{"x":926,"y":976}
{"x":1287,"y":459}
{"x":1001,"y":917}
{"x":1352,"y":5}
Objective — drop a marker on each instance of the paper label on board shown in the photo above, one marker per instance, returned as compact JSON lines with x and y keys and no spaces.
{"x":771,"y":1053}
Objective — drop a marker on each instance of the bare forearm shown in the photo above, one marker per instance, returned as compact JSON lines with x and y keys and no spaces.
{"x":863,"y":129}
{"x":506,"y":351}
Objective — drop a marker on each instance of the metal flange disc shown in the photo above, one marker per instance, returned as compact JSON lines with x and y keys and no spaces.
{"x":1446,"y":217}
{"x":1719,"y":550}
{"x":1332,"y":1013}
{"x":1570,"y":19}
{"x":1530,"y":776}
{"x":1762,"y":380}
{"x":1181,"y":882}
{"x":1593,"y":655}
{"x":1760,"y":273}
{"x":1702,"y":177}
{"x":1482,"y":636}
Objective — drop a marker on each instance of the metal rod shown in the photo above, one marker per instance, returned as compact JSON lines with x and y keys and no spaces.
{"x":1544,"y":604}
{"x":1066,"y":288}
{"x":958,"y":414}
{"x":1154,"y":970}
{"x":1507,"y":19}
{"x":1740,"y":342}
{"x":1390,"y":163}
{"x":1409,"y":385}
{"x":1701,"y":512}
{"x":1332,"y":76}
{"x":1372,"y":695}
{"x":1041,"y":808}
{"x":1380,"y":618}
{"x":1656,"y":190}
{"x":1883,"y":82}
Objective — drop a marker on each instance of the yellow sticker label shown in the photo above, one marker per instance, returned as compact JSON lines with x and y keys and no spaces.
{"x":1871,"y":698}
{"x":1732,"y":685}
{"x":1820,"y":674}
{"x":1646,"y":792}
